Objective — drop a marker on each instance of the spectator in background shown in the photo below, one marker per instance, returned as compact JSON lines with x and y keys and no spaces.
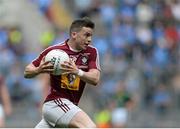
{"x":5,"y":103}
{"x":103,"y":117}
{"x":162,"y":99}
{"x":124,"y":104}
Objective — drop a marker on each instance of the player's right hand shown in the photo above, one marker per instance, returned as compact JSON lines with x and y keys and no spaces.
{"x":45,"y":67}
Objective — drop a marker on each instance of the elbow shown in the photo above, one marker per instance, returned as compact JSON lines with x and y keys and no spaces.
{"x":95,"y":82}
{"x":26,"y":75}
{"x":30,"y":72}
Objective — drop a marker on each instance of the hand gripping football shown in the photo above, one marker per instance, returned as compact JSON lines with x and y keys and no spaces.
{"x":57,"y":57}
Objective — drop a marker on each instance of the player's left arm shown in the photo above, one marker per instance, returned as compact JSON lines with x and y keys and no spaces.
{"x":91,"y":77}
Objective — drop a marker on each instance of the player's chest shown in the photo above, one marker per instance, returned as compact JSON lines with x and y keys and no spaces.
{"x":81,"y":60}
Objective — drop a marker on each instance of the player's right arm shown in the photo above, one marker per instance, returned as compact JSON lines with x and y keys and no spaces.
{"x":31,"y":70}
{"x":38,"y":65}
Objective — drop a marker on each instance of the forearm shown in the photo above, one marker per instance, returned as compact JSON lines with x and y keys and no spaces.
{"x":91,"y":77}
{"x":30,"y":71}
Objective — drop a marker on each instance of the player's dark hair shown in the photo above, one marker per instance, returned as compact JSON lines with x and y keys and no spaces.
{"x":78,"y":24}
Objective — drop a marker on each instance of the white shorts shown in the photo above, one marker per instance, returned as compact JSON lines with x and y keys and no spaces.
{"x":58,"y":113}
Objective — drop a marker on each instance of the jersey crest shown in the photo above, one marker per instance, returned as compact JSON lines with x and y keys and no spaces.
{"x":84,"y":60}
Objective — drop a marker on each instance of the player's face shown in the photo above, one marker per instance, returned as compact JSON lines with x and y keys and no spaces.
{"x":83,"y":38}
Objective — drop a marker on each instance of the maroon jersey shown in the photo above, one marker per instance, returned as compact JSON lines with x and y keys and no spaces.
{"x":70,"y":86}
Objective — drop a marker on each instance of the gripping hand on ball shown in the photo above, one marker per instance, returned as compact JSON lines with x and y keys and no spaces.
{"x":69,"y":67}
{"x":45,"y":67}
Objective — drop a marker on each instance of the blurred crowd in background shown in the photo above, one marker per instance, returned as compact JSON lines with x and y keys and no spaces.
{"x":139,"y":47}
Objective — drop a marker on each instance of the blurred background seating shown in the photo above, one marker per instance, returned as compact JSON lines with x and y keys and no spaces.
{"x":139,"y":47}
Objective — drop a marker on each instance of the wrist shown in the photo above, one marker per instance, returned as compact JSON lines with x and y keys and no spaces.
{"x":80,"y":73}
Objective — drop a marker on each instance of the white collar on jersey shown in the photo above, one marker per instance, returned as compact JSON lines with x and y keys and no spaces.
{"x":73,"y":49}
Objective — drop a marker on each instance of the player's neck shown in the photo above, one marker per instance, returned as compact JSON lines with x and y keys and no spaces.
{"x":72,"y":46}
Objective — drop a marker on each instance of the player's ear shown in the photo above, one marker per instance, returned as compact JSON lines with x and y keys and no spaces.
{"x":73,"y":34}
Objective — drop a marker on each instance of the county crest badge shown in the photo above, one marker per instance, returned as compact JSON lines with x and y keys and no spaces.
{"x":84,"y":60}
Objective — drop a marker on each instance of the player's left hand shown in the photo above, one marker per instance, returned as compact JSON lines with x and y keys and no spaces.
{"x":69,"y":67}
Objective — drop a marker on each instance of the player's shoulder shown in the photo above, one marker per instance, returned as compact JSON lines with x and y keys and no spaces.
{"x":60,"y":45}
{"x":92,"y":48}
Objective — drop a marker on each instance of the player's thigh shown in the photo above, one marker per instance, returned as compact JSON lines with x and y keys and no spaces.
{"x":43,"y":124}
{"x":59,"y":112}
{"x":81,"y":120}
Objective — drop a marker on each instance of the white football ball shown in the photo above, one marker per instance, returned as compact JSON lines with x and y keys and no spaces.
{"x":57,"y":57}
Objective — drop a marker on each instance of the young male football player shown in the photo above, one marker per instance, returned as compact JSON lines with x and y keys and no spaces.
{"x":61,"y":105}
